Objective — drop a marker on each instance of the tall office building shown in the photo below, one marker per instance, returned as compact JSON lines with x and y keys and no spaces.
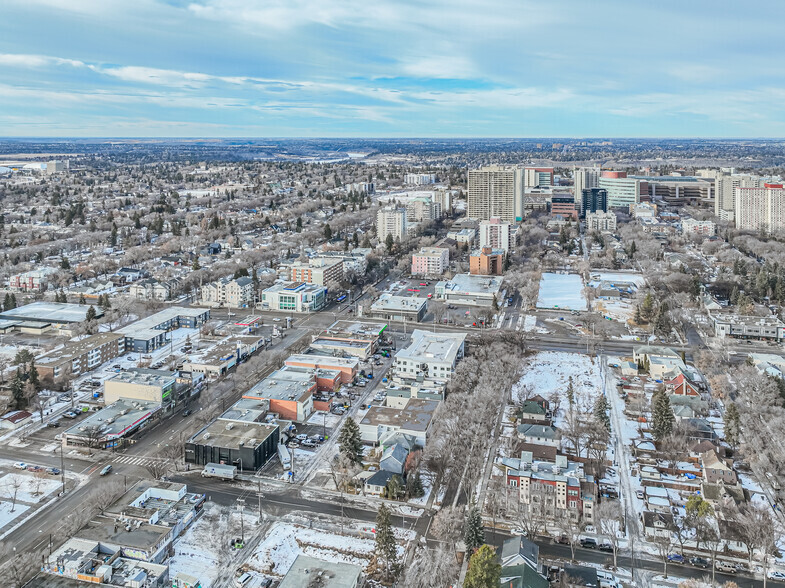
{"x":623,"y":192}
{"x":584,"y":178}
{"x":535,"y":177}
{"x":760,"y":209}
{"x":593,"y":200}
{"x":496,"y":191}
{"x":391,"y":221}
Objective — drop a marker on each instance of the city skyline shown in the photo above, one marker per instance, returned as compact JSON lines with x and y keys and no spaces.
{"x":224,"y":68}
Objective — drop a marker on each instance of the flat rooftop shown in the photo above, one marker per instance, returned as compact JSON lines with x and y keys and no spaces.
{"x":310,"y":572}
{"x":150,"y":326}
{"x":217,"y":355}
{"x":294,"y":287}
{"x":356,"y":328}
{"x":416,"y":416}
{"x":286,"y":383}
{"x":323,"y":361}
{"x":469,"y":284}
{"x":145,"y":377}
{"x":250,"y":410}
{"x":339,"y":343}
{"x":51,"y":312}
{"x":74,"y":349}
{"x":105,"y":529}
{"x":749,"y":321}
{"x":427,"y":346}
{"x":117,"y":418}
{"x":401,"y":303}
{"x":231,"y":434}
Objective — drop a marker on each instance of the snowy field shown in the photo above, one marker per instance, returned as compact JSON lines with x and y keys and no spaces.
{"x":562,"y":291}
{"x":31,"y":488}
{"x":618,"y":310}
{"x":548,"y":372}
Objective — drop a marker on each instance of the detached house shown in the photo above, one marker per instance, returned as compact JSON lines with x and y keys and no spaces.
{"x":681,"y":386}
{"x":716,"y":470}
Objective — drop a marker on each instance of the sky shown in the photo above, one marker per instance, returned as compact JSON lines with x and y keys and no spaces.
{"x":392,"y":68}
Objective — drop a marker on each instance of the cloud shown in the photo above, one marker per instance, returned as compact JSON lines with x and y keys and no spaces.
{"x":26,"y":60}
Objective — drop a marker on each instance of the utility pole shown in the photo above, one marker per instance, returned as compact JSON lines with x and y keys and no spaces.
{"x":259,"y":494}
{"x":62,"y":468}
{"x":240,"y":503}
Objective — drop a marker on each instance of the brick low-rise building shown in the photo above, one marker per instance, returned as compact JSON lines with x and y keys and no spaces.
{"x":486,"y":262}
{"x":79,"y":357}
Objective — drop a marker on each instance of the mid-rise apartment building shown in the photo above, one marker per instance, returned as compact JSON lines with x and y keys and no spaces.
{"x":593,"y":200}
{"x":235,"y":293}
{"x":496,"y":191}
{"x":698,"y":227}
{"x":538,"y":177}
{"x":419,"y":179}
{"x":584,"y":178}
{"x":564,"y":205}
{"x":391,"y":221}
{"x":486,"y":262}
{"x":319,"y":270}
{"x":600,"y":221}
{"x":497,"y":234}
{"x":430,"y":261}
{"x":79,"y":357}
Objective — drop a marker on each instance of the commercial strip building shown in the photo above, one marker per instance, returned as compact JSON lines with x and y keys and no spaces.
{"x":109,"y":427}
{"x":294,"y":297}
{"x":223,"y":357}
{"x":79,"y":357}
{"x":469,"y":290}
{"x":349,"y":338}
{"x":149,"y":333}
{"x":430,"y":355}
{"x":399,"y":308}
{"x":748,"y":327}
{"x":486,"y":262}
{"x":289,"y":391}
{"x":496,"y":192}
{"x":310,"y":572}
{"x":430,"y":261}
{"x":346,"y":366}
{"x":497,"y":234}
{"x":141,"y":384}
{"x":234,"y":293}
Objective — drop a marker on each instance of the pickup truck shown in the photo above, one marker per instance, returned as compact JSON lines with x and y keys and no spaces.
{"x":218,"y":470}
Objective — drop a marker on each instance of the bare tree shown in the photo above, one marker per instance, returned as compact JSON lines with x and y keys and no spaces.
{"x":431,"y":567}
{"x":157,"y":467}
{"x":12,"y":487}
{"x":663,"y":545}
{"x":611,"y":522}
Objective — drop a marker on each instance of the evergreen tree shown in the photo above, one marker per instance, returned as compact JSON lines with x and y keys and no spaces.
{"x":414,"y":486}
{"x":601,"y":415}
{"x":32,"y":375}
{"x":328,"y":232}
{"x":18,"y":392}
{"x":385,"y":549}
{"x":485,"y":569}
{"x":13,"y":300}
{"x":647,"y":308}
{"x":473,"y":534}
{"x":394,"y":487}
{"x":732,"y":425}
{"x":90,"y":315}
{"x":349,"y":441}
{"x":662,"y":415}
{"x":570,"y":394}
{"x":637,"y":318}
{"x":7,"y":302}
{"x":196,"y":265}
{"x":82,"y":299}
{"x":64,"y":264}
{"x":299,"y":224}
{"x":389,"y":242}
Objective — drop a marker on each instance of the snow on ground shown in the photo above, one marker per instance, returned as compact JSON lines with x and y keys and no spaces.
{"x":328,"y":419}
{"x":32,"y":489}
{"x":276,"y":554}
{"x":562,"y":291}
{"x":425,"y":478}
{"x":634,"y":278}
{"x":547,"y":374}
{"x":6,"y":516}
{"x":618,"y":310}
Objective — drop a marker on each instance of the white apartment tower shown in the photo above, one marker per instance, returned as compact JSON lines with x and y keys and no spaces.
{"x":584,"y":178}
{"x":497,"y":234}
{"x":391,"y":221}
{"x":496,"y":191}
{"x":725,"y":192}
{"x":760,"y":209}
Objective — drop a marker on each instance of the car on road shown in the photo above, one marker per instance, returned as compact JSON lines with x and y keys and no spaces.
{"x":562,"y":540}
{"x":639,"y":494}
{"x":606,"y":547}
{"x":277,"y":320}
{"x":676,"y":558}
{"x":186,"y":412}
{"x":518,"y":532}
{"x":588,"y":543}
{"x":776,"y":575}
{"x":20,"y":465}
{"x":34,"y":468}
{"x":611,"y":472}
{"x":699,"y":562}
{"x":106,"y":469}
{"x":725,"y":567}
{"x":53,"y":471}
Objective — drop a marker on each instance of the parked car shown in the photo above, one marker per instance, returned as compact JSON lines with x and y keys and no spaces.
{"x":20,"y":465}
{"x":675,"y":558}
{"x":34,"y":468}
{"x":699,"y":562}
{"x":308,"y":443}
{"x":106,"y":470}
{"x":563,"y":540}
{"x":588,"y":543}
{"x":606,"y":547}
{"x":293,"y":444}
{"x":301,"y":437}
{"x":70,"y":415}
{"x":53,"y":423}
{"x":611,"y":472}
{"x":725,"y":567}
{"x":53,"y":471}
{"x":776,"y":575}
{"x":639,"y":494}
{"x":186,"y":412}
{"x":518,"y":532}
